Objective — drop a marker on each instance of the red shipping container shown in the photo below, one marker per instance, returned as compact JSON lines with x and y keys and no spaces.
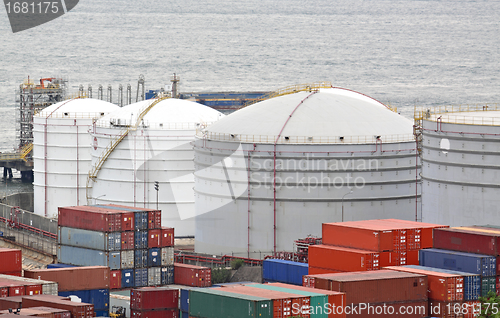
{"x":469,"y":239}
{"x":154,"y":238}
{"x":74,"y":278}
{"x":147,"y":298}
{"x":442,"y":286}
{"x":343,"y":259}
{"x":154,"y":220}
{"x":128,"y":240}
{"x":4,"y":292}
{"x":78,"y":310}
{"x":10,"y":302}
{"x":334,"y":298}
{"x":284,"y":304}
{"x":57,"y":313}
{"x":375,"y":286}
{"x":18,"y":274}
{"x":358,"y":234}
{"x":41,"y":312}
{"x":399,"y":258}
{"x":15,"y":288}
{"x":166,"y":313}
{"x":90,"y":218}
{"x":11,"y":261}
{"x":128,"y":221}
{"x":191,"y":275}
{"x":32,"y":289}
{"x":167,"y":236}
{"x":115,"y":281}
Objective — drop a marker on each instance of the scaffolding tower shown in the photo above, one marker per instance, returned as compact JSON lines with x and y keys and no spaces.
{"x":32,"y":98}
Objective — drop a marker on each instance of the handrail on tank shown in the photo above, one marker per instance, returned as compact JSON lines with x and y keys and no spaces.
{"x":308,"y":87}
{"x":451,"y":114}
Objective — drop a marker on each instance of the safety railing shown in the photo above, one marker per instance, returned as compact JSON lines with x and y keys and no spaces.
{"x":291,"y":90}
{"x":71,"y":115}
{"x":155,"y":125}
{"x":452,"y":114}
{"x":306,"y":139}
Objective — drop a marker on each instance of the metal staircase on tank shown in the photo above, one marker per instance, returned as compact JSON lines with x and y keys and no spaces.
{"x":94,"y":171}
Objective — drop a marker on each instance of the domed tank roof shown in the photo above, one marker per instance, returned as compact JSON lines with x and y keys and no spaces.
{"x":332,"y":112}
{"x":169,"y":110}
{"x":78,"y":105}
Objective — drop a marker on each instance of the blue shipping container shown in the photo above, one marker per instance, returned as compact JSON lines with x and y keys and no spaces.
{"x":101,"y":313}
{"x":128,"y":278}
{"x":59,"y":265}
{"x":87,"y":257}
{"x":141,"y":220}
{"x":472,"y":282}
{"x":483,"y":265}
{"x":184,"y":299}
{"x":98,"y":297}
{"x":277,"y":270}
{"x":140,"y":258}
{"x":154,"y":257}
{"x":141,"y":277}
{"x":184,"y":314}
{"x":167,"y":275}
{"x":141,"y":239}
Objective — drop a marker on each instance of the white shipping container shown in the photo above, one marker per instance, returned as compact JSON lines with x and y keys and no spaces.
{"x":167,"y":256}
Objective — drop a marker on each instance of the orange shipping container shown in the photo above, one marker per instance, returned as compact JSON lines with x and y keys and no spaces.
{"x":74,"y":278}
{"x":343,"y":259}
{"x":442,"y":286}
{"x":284,"y":304}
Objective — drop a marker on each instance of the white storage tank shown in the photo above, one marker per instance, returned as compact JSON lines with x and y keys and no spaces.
{"x":159,"y":150}
{"x":61,"y":152}
{"x":273,"y":172}
{"x":461,"y":165}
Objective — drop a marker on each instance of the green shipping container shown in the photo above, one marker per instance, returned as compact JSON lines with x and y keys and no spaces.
{"x":317,"y":300}
{"x":488,"y":284}
{"x":213,"y":303}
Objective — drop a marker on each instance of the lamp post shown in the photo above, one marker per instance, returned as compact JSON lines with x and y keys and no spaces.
{"x":157,"y":188}
{"x":350,"y":192}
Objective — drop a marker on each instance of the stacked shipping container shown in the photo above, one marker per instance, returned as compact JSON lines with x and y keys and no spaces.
{"x":191,"y":275}
{"x":483,"y":240}
{"x":20,"y":286}
{"x":131,"y":241}
{"x":152,"y":302}
{"x":90,"y":284}
{"x":380,"y":289}
{"x":369,"y":245}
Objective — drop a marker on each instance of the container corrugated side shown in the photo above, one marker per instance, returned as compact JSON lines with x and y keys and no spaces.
{"x":468,"y":239}
{"x":74,"y":278}
{"x":167,"y":256}
{"x":47,"y":287}
{"x":154,"y":276}
{"x":128,"y":280}
{"x":87,"y":257}
{"x":141,"y":239}
{"x":128,"y":240}
{"x":342,"y":258}
{"x":140,"y":258}
{"x":442,"y":286}
{"x":154,"y":220}
{"x":358,"y":234}
{"x":141,"y":220}
{"x":115,"y":281}
{"x":103,"y":241}
{"x":11,"y":260}
{"x":97,"y":297}
{"x":141,"y":277}
{"x":472,"y":282}
{"x":191,"y":275}
{"x":154,"y":298}
{"x":167,"y":236}
{"x":90,"y":218}
{"x":154,"y":257}
{"x":283,"y":303}
{"x":78,"y":310}
{"x":160,"y":313}
{"x":154,"y":238}
{"x":484,"y":265}
{"x":211,"y":303}
{"x":167,"y":275}
{"x":284,"y":271}
{"x":375,"y":286}
{"x":127,"y":259}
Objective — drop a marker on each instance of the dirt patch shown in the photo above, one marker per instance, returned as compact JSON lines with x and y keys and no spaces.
{"x":248,"y":274}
